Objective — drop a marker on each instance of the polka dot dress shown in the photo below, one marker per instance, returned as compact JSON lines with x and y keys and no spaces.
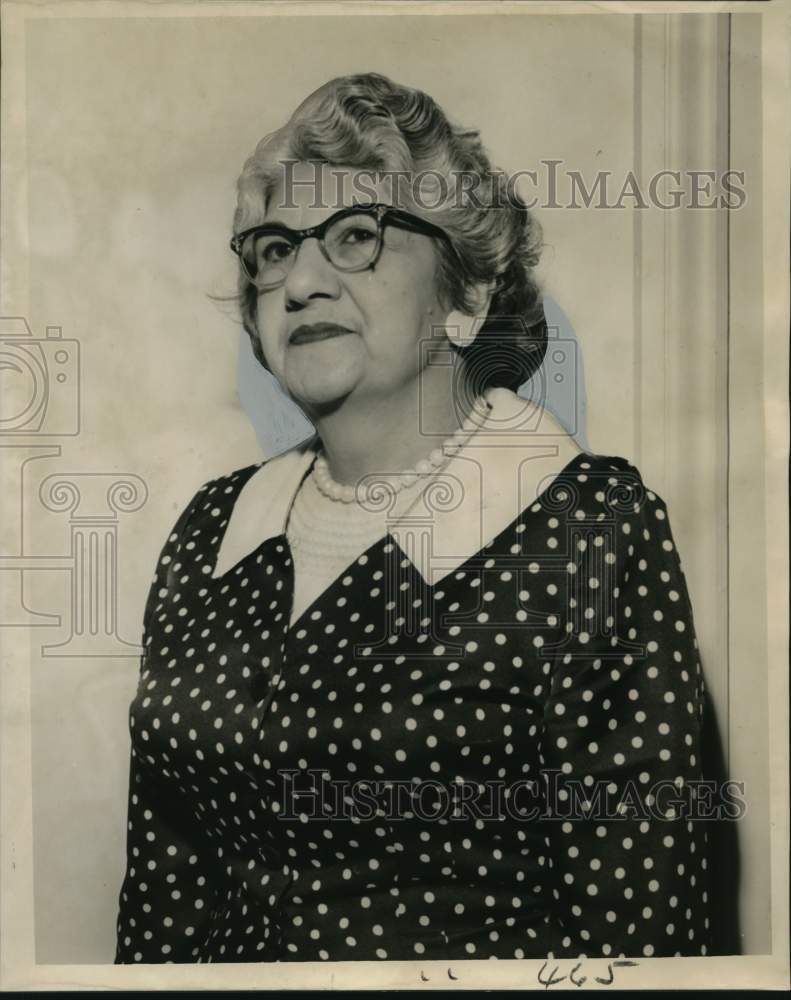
{"x":501,"y":765}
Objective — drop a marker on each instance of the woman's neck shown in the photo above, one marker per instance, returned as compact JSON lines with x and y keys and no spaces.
{"x":390,"y":433}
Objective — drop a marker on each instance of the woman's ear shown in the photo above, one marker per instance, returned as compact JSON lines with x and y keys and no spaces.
{"x":461,"y":328}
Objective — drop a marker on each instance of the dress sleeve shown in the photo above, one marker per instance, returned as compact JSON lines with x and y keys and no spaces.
{"x":621,"y":740}
{"x":168,"y":890}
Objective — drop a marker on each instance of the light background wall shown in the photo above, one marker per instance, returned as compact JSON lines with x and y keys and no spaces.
{"x":136,"y":129}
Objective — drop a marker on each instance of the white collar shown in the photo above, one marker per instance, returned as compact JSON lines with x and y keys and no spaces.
{"x":512,"y":458}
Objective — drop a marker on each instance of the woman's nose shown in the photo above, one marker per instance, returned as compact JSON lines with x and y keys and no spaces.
{"x":311,"y":276}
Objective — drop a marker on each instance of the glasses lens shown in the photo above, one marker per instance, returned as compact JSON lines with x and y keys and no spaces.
{"x":267,"y":257}
{"x":352,"y":241}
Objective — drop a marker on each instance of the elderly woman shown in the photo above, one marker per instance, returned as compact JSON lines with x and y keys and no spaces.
{"x":427,"y":685}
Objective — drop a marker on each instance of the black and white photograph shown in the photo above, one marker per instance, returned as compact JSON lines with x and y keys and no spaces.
{"x":394,"y":435}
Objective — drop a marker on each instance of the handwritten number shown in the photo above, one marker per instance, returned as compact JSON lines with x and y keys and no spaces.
{"x":546,"y":983}
{"x":547,"y":979}
{"x":606,"y":982}
{"x":581,"y":980}
{"x":552,"y":978}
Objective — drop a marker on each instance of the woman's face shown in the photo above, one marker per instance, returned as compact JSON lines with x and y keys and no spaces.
{"x":386,"y":312}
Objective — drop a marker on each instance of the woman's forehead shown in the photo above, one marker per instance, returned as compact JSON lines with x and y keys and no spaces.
{"x":304,"y":193}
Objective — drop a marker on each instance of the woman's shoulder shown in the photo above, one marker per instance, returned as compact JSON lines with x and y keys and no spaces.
{"x":529,"y":442}
{"x":228,"y":515}
{"x":228,"y":483}
{"x":610,"y":474}
{"x":212,"y":499}
{"x":598,"y":487}
{"x":252,"y":503}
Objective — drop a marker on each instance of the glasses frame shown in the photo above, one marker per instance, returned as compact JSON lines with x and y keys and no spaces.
{"x":384,"y":215}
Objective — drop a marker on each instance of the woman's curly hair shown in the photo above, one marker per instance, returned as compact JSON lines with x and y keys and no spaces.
{"x":368,"y":122}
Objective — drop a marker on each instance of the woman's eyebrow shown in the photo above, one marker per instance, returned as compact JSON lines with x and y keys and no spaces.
{"x":276,"y":224}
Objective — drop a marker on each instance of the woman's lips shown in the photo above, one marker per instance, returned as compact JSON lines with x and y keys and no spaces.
{"x":310,"y":333}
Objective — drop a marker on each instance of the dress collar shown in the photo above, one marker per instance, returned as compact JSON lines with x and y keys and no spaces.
{"x":513,"y":457}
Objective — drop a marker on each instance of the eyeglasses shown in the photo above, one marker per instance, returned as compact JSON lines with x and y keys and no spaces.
{"x":351,"y":240}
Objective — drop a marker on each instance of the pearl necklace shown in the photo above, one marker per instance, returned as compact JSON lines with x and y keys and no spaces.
{"x":437,"y":457}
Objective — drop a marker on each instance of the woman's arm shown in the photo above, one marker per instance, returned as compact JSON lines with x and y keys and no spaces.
{"x":169,"y":887}
{"x":621,"y":744}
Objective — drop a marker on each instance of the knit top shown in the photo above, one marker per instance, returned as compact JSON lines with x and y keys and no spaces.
{"x":327,"y":535}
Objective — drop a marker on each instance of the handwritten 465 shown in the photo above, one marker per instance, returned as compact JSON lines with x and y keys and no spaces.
{"x":549,"y":978}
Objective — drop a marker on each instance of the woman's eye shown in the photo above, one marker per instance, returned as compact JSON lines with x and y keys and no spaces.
{"x":358,"y":235}
{"x":276,"y":251}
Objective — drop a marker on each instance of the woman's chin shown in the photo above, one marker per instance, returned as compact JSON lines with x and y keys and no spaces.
{"x":317,"y":386}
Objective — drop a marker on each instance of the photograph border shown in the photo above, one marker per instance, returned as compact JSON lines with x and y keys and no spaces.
{"x":18,"y":968}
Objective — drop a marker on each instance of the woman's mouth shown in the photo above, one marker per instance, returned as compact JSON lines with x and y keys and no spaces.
{"x":309,"y":333}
